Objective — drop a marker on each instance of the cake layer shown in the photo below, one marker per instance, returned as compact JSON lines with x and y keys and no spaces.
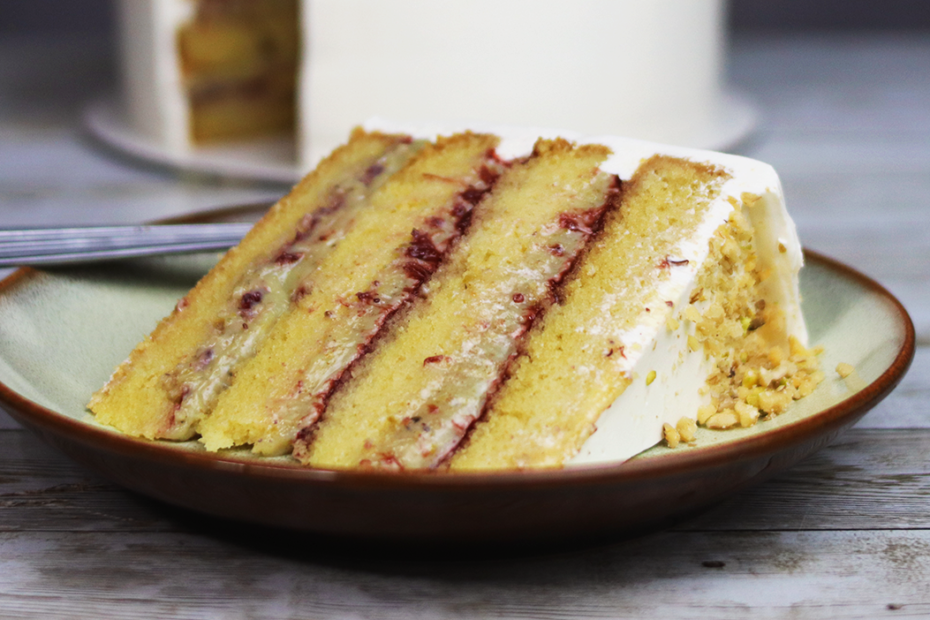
{"x":414,"y":398}
{"x":241,"y":110}
{"x":173,"y":376}
{"x":237,"y":39}
{"x":239,"y":63}
{"x":377,"y":269}
{"x":572,"y":368}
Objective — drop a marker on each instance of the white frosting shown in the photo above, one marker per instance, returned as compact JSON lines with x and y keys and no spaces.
{"x":649,"y":69}
{"x":153,"y":88}
{"x":634,"y":421}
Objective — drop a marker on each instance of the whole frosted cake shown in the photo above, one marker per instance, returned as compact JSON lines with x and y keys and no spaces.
{"x":500,"y":299}
{"x":200,"y":71}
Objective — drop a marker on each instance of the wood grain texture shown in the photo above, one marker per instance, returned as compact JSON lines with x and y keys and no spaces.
{"x":868,"y":479}
{"x":674,"y":574}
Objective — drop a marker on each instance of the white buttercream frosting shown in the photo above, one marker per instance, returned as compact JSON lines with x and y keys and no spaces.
{"x":545,"y":62}
{"x":651,"y":69}
{"x":154,"y":94}
{"x":634,"y":421}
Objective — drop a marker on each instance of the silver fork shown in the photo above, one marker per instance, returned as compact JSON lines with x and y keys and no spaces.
{"x":60,"y":246}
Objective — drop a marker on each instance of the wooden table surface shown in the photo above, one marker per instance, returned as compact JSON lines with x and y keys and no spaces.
{"x":846,"y":533}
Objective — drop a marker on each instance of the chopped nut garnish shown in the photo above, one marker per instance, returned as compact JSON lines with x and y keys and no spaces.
{"x":796,"y":347}
{"x":672,"y":323}
{"x":686,"y":428}
{"x":672,"y":436}
{"x":692,"y":314}
{"x":752,"y":379}
{"x":844,"y":370}
{"x":723,"y":420}
{"x":705,"y":412}
{"x":650,"y":377}
{"x":747,"y":414}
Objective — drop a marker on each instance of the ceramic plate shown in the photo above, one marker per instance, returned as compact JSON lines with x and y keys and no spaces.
{"x":63,"y":331}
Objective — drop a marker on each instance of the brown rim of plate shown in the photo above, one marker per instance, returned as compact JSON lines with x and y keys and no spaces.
{"x":771,"y":441}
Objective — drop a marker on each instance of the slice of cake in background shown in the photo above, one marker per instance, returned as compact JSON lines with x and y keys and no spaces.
{"x":197,"y":72}
{"x":224,"y":68}
{"x":239,"y":61}
{"x":492,"y":300}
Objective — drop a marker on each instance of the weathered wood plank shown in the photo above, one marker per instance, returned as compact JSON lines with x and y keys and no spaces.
{"x":41,"y":489}
{"x":868,"y":479}
{"x":7,"y":423}
{"x":671,"y":574}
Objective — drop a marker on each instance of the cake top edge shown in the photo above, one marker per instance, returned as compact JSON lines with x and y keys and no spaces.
{"x":747,"y":178}
{"x":628,"y":153}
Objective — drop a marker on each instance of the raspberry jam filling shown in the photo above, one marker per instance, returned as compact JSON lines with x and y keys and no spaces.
{"x":350,"y":337}
{"x":264,"y":294}
{"x":449,"y":405}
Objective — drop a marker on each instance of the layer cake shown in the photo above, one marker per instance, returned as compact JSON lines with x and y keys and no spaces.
{"x":488,"y":300}
{"x":197,"y":72}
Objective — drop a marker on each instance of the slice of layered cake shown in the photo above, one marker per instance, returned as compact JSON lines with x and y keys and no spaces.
{"x":370,"y":223}
{"x":489,"y":300}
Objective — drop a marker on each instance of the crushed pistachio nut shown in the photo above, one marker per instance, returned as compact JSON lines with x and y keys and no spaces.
{"x":748,"y":415}
{"x":705,"y":412}
{"x":686,"y":428}
{"x":752,"y":378}
{"x":844,"y":370}
{"x":693,"y":343}
{"x":723,"y":420}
